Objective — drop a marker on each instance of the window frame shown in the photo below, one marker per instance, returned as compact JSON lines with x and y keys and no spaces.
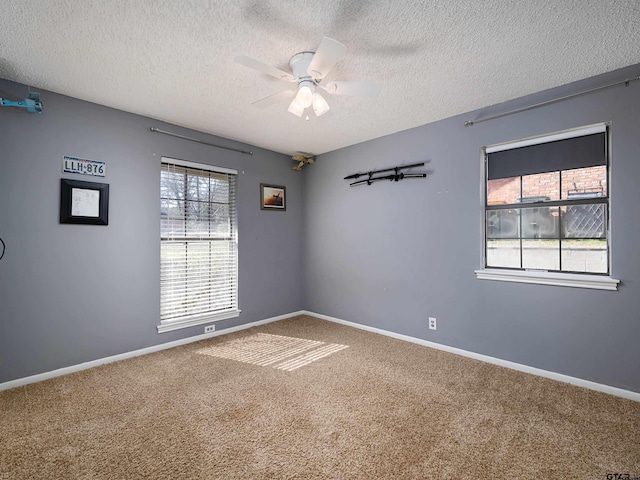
{"x":595,"y":280}
{"x":185,"y":321}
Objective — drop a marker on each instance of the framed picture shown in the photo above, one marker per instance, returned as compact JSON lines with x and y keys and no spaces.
{"x":84,"y":202}
{"x":272,"y":197}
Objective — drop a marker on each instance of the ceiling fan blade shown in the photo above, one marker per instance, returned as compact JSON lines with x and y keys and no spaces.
{"x":273,"y":99}
{"x":328,"y":53}
{"x":360,"y":89}
{"x":263,"y":67}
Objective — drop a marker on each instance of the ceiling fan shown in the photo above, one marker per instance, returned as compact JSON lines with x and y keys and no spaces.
{"x":308,"y":72}
{"x":302,"y":161}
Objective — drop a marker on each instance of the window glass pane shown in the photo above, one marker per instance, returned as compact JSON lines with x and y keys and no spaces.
{"x":584,"y":221}
{"x":585,"y":255}
{"x":219,"y":190}
{"x":198,"y":188}
{"x":543,"y":254}
{"x":584,"y":244}
{"x":503,"y":243}
{"x":503,"y":253}
{"x":172,"y":220}
{"x":540,"y":238}
{"x":185,"y":277}
{"x":197,"y":214}
{"x":539,"y":222}
{"x":502,"y":223}
{"x":540,"y":187}
{"x":584,"y":182}
{"x":220,"y":220}
{"x":503,"y":190}
{"x":172,"y":184}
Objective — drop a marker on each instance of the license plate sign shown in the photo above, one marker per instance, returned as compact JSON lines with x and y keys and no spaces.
{"x":83,"y":166}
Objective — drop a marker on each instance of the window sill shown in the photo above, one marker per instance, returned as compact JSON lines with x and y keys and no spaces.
{"x":170,"y":325}
{"x":549,"y":278}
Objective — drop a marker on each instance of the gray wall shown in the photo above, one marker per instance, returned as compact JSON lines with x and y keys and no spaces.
{"x":391,"y":254}
{"x":73,"y":293}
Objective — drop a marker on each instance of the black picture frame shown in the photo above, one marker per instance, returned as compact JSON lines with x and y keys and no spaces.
{"x":84,"y":203}
{"x":273,"y":197}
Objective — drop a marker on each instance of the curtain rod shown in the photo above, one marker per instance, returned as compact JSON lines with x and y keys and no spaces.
{"x":626,"y":82}
{"x":157,"y":130}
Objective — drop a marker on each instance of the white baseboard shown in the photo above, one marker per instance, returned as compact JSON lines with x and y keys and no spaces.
{"x":136,"y":353}
{"x":618,"y":392}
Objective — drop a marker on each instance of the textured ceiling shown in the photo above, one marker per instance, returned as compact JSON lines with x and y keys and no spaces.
{"x":173,"y":60}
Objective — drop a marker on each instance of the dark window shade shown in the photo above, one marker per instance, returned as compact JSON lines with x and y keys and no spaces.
{"x":567,"y":154}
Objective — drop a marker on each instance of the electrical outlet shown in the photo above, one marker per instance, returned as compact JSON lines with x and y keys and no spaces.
{"x":209,"y":328}
{"x":432,"y":323}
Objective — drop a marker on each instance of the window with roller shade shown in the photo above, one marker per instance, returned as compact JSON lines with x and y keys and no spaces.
{"x":198,"y":244}
{"x":547,"y":203}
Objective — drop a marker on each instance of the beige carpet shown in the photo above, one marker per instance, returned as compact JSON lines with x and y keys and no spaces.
{"x":374,"y":408}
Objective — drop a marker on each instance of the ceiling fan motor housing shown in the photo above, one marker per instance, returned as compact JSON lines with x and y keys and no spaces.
{"x":299,"y":64}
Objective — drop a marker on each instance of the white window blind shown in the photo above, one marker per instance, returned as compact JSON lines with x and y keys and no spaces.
{"x":198,"y":248}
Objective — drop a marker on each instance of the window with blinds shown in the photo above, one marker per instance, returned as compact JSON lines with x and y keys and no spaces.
{"x":547,"y":203}
{"x":198,"y":247}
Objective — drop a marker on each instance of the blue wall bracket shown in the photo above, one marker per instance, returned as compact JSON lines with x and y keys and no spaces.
{"x":32,"y":103}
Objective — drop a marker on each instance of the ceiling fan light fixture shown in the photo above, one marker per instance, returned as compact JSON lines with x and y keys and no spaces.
{"x":296,"y":108}
{"x":305,"y":94}
{"x":320,"y":105}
